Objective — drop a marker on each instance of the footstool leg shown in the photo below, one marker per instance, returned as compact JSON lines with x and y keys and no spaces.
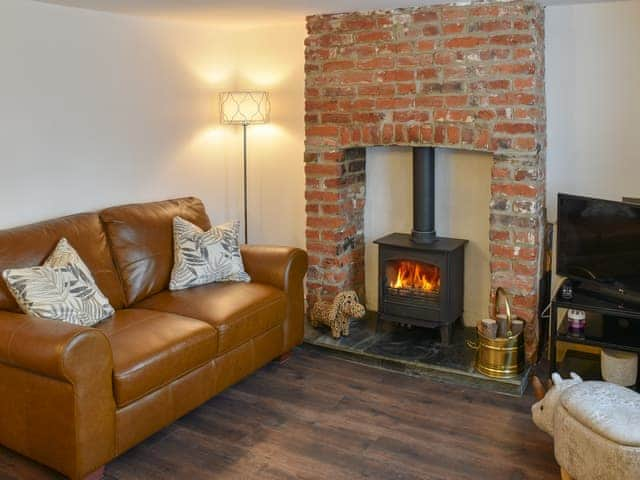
{"x":564,"y":475}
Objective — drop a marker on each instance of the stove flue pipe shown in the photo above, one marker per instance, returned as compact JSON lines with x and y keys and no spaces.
{"x":424,"y":230}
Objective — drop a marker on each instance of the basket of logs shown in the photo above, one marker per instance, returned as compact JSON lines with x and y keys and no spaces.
{"x":500,"y":345}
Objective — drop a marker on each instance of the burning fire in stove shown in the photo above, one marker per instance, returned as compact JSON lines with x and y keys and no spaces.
{"x":415,"y":276}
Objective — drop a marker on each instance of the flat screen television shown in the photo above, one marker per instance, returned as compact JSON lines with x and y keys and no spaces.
{"x":599,"y":246}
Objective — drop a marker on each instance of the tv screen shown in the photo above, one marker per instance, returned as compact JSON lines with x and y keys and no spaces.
{"x":599,"y":241}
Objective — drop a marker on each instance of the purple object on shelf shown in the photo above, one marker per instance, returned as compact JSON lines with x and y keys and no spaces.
{"x":577,"y":322}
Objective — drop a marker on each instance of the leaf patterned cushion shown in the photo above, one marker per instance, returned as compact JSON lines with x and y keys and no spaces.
{"x":61,"y":289}
{"x":204,"y":257}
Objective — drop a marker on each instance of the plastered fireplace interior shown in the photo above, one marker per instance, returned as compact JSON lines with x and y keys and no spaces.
{"x":467,"y":77}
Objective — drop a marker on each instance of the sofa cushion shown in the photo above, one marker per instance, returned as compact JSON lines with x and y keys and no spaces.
{"x":30,"y":245}
{"x":151,"y":349}
{"x":205,"y":257}
{"x":61,"y":289}
{"x":239,"y":311}
{"x":141,"y":237}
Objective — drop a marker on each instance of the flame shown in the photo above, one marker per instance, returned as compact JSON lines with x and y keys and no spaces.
{"x":418,"y":276}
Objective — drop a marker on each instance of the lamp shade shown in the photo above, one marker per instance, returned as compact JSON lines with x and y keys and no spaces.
{"x":244,"y":107}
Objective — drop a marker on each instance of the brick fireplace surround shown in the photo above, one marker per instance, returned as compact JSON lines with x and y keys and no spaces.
{"x":465,"y":77}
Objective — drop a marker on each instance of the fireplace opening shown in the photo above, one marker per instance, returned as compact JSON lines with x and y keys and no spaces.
{"x":421,"y":275}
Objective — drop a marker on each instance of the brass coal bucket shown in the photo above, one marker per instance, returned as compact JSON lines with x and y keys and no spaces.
{"x":500,"y":357}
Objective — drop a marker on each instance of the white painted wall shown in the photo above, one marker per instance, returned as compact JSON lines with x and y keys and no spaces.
{"x":99,"y":109}
{"x":463,"y":191}
{"x":593,"y":100}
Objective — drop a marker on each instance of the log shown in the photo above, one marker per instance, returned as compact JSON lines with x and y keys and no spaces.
{"x":489,"y":328}
{"x":517,"y":326}
{"x":502,"y":325}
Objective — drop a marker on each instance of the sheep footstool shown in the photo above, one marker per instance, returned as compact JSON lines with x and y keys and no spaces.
{"x":597,"y":432}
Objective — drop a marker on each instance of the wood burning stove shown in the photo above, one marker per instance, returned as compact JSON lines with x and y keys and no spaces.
{"x":421,"y":284}
{"x":421,"y":276}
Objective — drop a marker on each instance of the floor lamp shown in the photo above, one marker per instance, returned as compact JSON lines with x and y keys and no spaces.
{"x":244,"y":108}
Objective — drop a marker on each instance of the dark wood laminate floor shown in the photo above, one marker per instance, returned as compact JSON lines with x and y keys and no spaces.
{"x":318,"y":417}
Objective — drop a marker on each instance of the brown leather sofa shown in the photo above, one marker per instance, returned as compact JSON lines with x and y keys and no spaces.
{"x":72,"y":397}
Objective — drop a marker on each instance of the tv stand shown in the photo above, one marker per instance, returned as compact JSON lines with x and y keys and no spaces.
{"x":609,"y":325}
{"x":612,"y":292}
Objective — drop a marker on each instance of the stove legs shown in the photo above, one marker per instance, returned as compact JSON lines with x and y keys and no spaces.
{"x":446,"y":332}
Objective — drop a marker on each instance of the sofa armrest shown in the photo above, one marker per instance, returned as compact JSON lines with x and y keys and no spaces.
{"x":46,"y":347}
{"x":283,"y":268}
{"x":57,"y":399}
{"x":276,"y":266}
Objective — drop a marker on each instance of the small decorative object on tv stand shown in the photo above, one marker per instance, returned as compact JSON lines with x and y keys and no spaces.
{"x":577,"y":321}
{"x":567,"y":290}
{"x":619,"y":367}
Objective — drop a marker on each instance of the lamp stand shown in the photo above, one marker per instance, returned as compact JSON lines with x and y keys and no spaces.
{"x":244,"y":107}
{"x":244,"y":172}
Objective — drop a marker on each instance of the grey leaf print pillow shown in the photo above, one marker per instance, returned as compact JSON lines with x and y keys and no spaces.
{"x":61,"y":289}
{"x":204,"y":257}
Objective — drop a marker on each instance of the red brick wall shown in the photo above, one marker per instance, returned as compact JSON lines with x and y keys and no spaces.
{"x":465,"y":77}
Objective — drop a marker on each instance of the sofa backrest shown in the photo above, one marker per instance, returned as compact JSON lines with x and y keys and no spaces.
{"x":30,"y":245}
{"x":141,"y":238}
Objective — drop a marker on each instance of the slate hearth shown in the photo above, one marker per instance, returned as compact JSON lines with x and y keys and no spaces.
{"x":413,"y":351}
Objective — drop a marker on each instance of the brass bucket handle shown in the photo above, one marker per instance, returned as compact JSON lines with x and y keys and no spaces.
{"x":507,"y":306}
{"x":473,"y":345}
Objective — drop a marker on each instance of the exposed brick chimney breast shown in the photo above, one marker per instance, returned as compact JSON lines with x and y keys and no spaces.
{"x":466,"y":77}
